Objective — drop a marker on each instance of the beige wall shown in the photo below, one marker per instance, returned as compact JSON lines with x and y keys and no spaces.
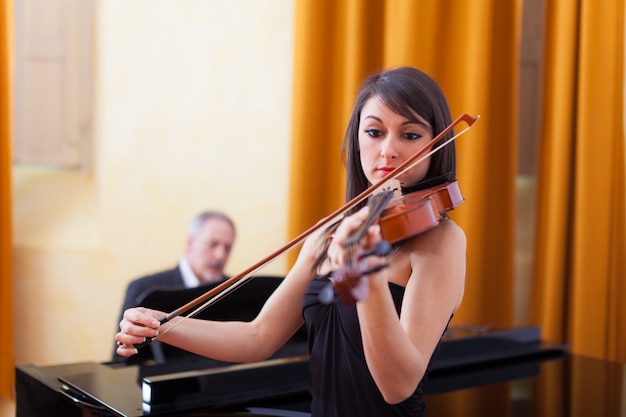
{"x":191,"y":111}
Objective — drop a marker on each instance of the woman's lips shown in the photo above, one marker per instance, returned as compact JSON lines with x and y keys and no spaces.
{"x":385,"y":170}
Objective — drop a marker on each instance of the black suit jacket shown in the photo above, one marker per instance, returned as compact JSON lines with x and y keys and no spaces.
{"x":137,"y":289}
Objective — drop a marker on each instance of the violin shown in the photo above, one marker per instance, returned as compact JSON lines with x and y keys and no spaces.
{"x":415,"y":213}
{"x":433,"y":198}
{"x":400,"y":218}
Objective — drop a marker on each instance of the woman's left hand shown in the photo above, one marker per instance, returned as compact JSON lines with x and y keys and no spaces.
{"x":340,"y":256}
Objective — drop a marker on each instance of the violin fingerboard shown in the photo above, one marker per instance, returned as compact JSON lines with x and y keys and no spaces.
{"x":377,"y":203}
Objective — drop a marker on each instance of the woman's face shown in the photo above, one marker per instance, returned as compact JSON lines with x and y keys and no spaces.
{"x":387,"y":139}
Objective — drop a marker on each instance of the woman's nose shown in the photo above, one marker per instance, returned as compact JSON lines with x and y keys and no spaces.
{"x":387,"y":149}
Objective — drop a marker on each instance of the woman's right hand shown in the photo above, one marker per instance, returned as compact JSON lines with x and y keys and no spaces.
{"x":137,"y":325}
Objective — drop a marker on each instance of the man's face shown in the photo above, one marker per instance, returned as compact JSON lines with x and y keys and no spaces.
{"x":208,"y":251}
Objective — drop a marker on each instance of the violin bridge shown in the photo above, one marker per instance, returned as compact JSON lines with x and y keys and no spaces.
{"x":390,"y":185}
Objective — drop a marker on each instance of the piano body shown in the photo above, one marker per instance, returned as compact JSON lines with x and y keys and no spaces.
{"x":167,"y":382}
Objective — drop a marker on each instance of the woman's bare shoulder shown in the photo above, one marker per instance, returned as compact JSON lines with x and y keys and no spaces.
{"x":445,"y":236}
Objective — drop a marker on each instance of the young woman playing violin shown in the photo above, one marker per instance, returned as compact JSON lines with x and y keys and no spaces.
{"x":368,"y":358}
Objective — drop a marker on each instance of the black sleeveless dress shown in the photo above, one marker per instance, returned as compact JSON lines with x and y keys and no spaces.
{"x":340,"y":382}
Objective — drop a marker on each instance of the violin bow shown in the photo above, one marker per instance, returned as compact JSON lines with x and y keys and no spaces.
{"x":218,"y":292}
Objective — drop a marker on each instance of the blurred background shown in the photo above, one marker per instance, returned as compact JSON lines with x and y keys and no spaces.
{"x":123,"y":119}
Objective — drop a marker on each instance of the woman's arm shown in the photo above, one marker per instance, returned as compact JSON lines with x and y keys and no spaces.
{"x":232,"y":341}
{"x":431,"y":266}
{"x":398,"y":350}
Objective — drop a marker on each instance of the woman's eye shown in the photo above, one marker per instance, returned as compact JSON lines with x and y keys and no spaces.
{"x":373,"y":132}
{"x":413,"y":136}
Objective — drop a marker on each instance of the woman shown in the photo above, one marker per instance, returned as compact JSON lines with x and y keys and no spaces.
{"x":368,"y":359}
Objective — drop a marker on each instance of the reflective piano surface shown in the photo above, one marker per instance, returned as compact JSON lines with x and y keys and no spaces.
{"x":500,"y":373}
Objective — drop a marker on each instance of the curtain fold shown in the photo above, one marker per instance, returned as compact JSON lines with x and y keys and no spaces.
{"x":335,"y":49}
{"x":580,"y":266}
{"x":7,"y":364}
{"x":473,"y":53}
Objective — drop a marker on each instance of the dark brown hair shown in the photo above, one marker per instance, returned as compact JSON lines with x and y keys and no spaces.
{"x":408,"y":92}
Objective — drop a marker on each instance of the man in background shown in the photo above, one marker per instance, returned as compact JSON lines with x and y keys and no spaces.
{"x":210,"y":238}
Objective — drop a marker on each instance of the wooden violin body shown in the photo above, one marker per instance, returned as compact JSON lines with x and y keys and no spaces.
{"x":411,"y":214}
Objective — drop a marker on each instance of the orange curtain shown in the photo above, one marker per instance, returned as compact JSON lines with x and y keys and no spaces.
{"x":6,"y":251}
{"x":472,"y":52}
{"x":580,"y":262}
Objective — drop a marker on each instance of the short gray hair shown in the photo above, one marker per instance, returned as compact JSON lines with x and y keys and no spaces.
{"x":199,"y":219}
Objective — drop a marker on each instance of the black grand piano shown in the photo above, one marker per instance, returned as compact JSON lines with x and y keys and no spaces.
{"x":165,"y":382}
